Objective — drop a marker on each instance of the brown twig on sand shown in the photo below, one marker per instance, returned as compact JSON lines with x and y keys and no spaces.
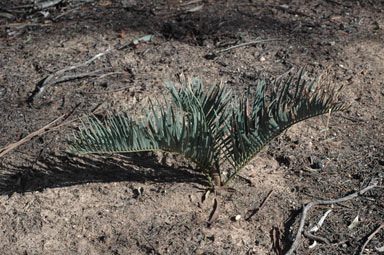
{"x":315,"y":228}
{"x":260,"y":206}
{"x":316,"y":238}
{"x":215,"y":213}
{"x":76,"y":76}
{"x":65,"y":13}
{"x":370,"y":238}
{"x":323,"y":202}
{"x":277,"y":244}
{"x":49,"y":81}
{"x":42,"y":130}
{"x":12,"y":146}
{"x":23,"y":24}
{"x":246,"y":44}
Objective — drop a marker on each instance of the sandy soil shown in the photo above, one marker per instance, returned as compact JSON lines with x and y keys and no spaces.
{"x":150,"y":203}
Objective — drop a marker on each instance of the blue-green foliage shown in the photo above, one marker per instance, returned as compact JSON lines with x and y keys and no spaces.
{"x":210,"y":126}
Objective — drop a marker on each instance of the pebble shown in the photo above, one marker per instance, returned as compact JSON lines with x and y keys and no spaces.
{"x":3,"y":91}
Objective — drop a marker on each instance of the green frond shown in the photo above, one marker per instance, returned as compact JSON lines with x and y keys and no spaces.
{"x":209,"y":126}
{"x":270,"y":116}
{"x":192,"y":123}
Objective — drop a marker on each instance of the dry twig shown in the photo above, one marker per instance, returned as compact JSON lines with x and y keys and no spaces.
{"x":215,"y":212}
{"x":12,"y":146}
{"x":105,"y":92}
{"x":277,"y":244}
{"x":323,"y":202}
{"x":246,"y":44}
{"x":49,"y":81}
{"x":260,"y":206}
{"x":65,"y":13}
{"x":316,"y":238}
{"x":38,"y":6}
{"x":46,"y":128}
{"x":370,"y":238}
{"x":316,"y":228}
{"x":23,"y":24}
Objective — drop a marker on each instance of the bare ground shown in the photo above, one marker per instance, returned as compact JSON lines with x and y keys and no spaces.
{"x":150,"y":203}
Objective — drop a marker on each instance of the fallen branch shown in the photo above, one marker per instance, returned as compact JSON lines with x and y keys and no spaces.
{"x":370,"y":238}
{"x":65,"y":13}
{"x":38,"y":6}
{"x":323,"y":202}
{"x":315,"y":238}
{"x":12,"y":146}
{"x":42,"y":130}
{"x":76,"y":76}
{"x":215,"y":212}
{"x":277,"y":241}
{"x":49,"y":81}
{"x":246,"y":44}
{"x":260,"y":206}
{"x":316,"y":228}
{"x":24,"y":24}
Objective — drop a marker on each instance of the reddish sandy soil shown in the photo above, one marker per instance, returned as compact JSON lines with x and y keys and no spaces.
{"x":150,"y":203}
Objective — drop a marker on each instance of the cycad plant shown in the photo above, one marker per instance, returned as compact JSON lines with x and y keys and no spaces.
{"x":210,"y":127}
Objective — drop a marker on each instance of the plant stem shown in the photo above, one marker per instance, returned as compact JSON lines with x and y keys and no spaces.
{"x":215,"y":175}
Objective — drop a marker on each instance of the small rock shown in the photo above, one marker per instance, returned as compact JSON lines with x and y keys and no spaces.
{"x":3,"y":91}
{"x":377,"y":25}
{"x":138,"y":192}
{"x":199,"y":251}
{"x":317,"y":165}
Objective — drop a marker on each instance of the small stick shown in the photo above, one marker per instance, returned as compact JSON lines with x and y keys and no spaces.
{"x":112,"y":73}
{"x":246,"y":44}
{"x":215,"y":213}
{"x":276,"y":243}
{"x":38,"y":6}
{"x":284,"y":74}
{"x":315,"y":228}
{"x":323,"y":202}
{"x":190,"y":2}
{"x":42,"y":130}
{"x":47,"y":81}
{"x":316,"y":238}
{"x":12,"y":146}
{"x":65,"y":13}
{"x":261,"y":205}
{"x":105,"y":92}
{"x":75,"y":76}
{"x":327,"y":126}
{"x":24,"y":24}
{"x":45,"y":5}
{"x":370,"y":238}
{"x":320,"y":223}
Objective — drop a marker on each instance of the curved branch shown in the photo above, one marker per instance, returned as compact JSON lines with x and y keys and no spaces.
{"x":323,"y":202}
